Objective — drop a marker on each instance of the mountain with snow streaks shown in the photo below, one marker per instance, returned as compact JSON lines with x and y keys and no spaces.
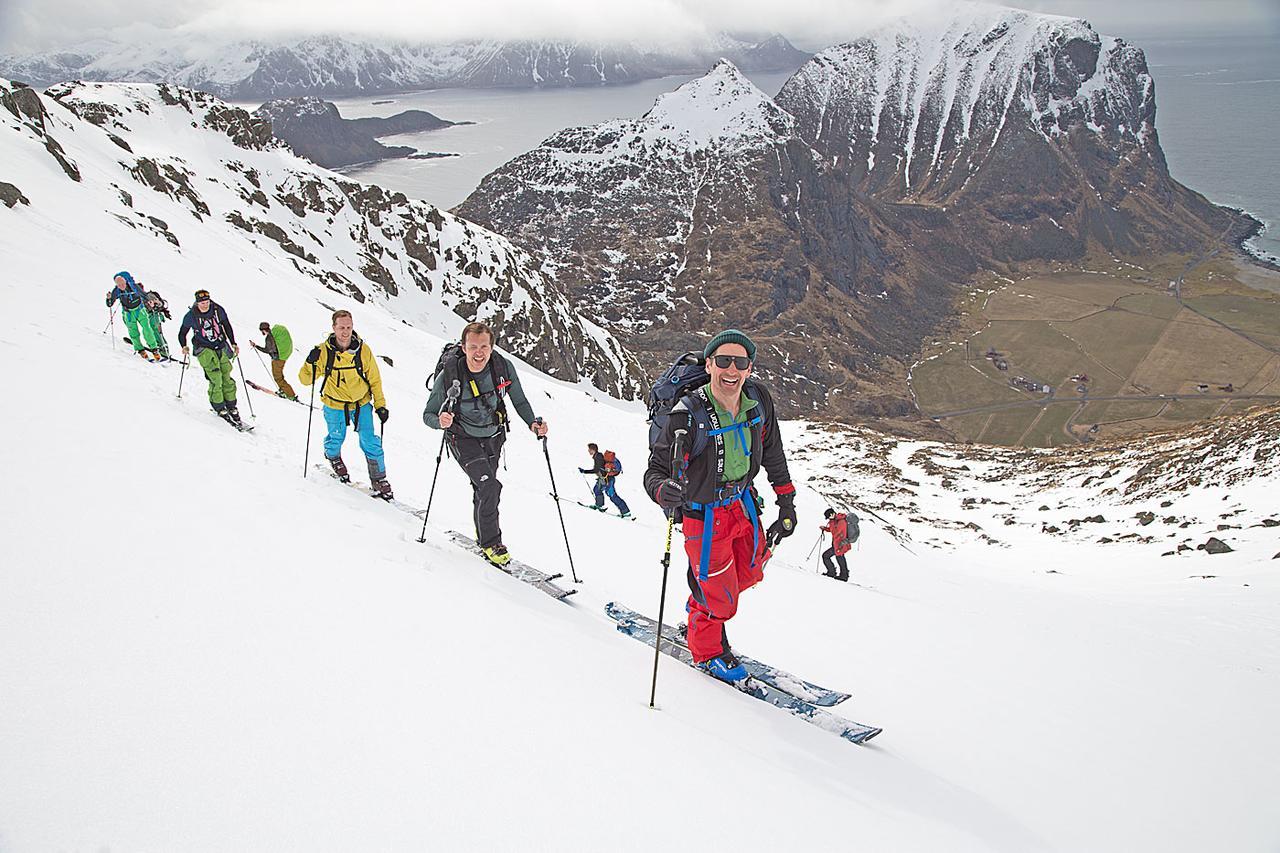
{"x":336,"y":66}
{"x":178,"y":167}
{"x":1032,"y":129}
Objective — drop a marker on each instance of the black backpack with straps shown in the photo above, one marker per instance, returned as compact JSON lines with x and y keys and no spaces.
{"x":450,"y":367}
{"x":682,"y":379}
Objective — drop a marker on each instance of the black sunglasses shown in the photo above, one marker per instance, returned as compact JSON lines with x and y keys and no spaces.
{"x":739,"y":361}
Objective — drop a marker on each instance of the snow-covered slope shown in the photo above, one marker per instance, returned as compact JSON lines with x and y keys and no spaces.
{"x":335,"y":66}
{"x":186,"y":621}
{"x":181,"y":169}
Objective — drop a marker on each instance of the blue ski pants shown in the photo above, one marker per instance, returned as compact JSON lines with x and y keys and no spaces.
{"x":336,"y":421}
{"x":606,"y":487}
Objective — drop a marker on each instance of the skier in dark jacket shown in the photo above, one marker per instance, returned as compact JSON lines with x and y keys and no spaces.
{"x":478,"y":429}
{"x":215,"y":345}
{"x":606,"y":472}
{"x":731,"y":432}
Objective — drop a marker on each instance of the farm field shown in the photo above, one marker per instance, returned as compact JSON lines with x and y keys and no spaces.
{"x":1087,"y":337}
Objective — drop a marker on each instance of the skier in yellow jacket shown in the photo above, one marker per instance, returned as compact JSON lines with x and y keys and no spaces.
{"x":351,"y":390}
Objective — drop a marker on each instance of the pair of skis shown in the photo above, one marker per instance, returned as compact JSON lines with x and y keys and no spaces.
{"x":536,"y":578}
{"x":769,"y":684}
{"x":603,"y":511}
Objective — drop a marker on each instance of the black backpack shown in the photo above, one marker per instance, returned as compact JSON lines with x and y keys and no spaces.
{"x":156,"y":305}
{"x":449,"y":366}
{"x":686,"y":374}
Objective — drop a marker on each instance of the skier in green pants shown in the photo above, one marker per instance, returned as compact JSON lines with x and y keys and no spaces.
{"x":136,"y":319}
{"x":215,"y":343}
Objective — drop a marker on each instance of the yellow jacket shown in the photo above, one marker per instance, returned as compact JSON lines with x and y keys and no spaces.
{"x":340,"y":372}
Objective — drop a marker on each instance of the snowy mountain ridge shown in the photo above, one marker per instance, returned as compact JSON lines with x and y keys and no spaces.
{"x":928,"y":99}
{"x":176,"y":165}
{"x":336,"y":66}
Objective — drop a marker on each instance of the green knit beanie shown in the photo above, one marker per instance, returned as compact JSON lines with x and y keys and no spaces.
{"x":730,"y":336}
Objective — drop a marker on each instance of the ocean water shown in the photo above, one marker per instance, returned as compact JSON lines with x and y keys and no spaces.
{"x":1217,"y":112}
{"x":509,"y":122}
{"x":1218,"y":115}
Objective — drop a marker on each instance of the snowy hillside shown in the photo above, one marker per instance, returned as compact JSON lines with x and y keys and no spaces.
{"x":335,"y":66}
{"x":187,"y":621}
{"x":183,"y":172}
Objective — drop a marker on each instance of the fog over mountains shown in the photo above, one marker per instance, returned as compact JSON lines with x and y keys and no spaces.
{"x":336,"y":66}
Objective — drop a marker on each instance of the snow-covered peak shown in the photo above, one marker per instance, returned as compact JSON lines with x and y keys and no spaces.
{"x":721,"y":105}
{"x":921,"y":100}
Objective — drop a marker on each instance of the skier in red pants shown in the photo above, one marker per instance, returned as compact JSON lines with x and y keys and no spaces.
{"x":731,"y":433}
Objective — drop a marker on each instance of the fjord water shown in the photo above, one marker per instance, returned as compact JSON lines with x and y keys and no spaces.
{"x":508,"y":122}
{"x":1217,"y":99}
{"x":1218,"y":114}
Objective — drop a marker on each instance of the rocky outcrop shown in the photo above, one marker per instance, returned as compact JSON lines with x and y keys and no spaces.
{"x":314,"y":129}
{"x":331,"y":66}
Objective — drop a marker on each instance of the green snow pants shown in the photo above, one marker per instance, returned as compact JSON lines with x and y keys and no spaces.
{"x":217,"y":369}
{"x":135,"y":319}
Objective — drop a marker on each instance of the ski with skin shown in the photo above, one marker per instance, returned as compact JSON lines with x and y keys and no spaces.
{"x":595,"y":508}
{"x":771,"y":675}
{"x":641,"y":628}
{"x":265,"y":390}
{"x":366,"y":490}
{"x":518,"y":570}
{"x":243,"y":427}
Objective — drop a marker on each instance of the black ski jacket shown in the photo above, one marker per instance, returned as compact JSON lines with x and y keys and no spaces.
{"x":702,"y":481}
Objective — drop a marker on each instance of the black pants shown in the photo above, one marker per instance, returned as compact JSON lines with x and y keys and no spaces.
{"x":479,"y":460}
{"x":843,"y":574}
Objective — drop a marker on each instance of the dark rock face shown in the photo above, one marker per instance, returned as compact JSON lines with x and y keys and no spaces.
{"x":314,"y":129}
{"x":1035,"y":135}
{"x":331,"y":66}
{"x":11,"y":195}
{"x":1215,"y":546}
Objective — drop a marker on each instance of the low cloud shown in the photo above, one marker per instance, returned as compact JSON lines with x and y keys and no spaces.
{"x":29,"y":25}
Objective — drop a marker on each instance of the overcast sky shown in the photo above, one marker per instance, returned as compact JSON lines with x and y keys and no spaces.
{"x":28,"y":25}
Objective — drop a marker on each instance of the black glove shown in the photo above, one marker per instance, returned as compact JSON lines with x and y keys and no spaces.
{"x":670,"y":494}
{"x":314,"y":355}
{"x":786,"y":523}
{"x":382,"y":414}
{"x":109,"y":300}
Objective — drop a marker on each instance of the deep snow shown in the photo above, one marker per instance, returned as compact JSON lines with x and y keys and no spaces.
{"x":200,"y":649}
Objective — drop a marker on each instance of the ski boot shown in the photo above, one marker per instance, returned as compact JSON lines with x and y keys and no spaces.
{"x":339,"y":469}
{"x":725,"y":667}
{"x":625,"y":515}
{"x":233,"y":416}
{"x":497,"y":554}
{"x":382,"y":489}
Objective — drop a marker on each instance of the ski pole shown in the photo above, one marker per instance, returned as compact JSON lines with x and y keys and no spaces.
{"x":666,"y":565}
{"x":245,"y":385}
{"x":112,"y":324}
{"x":311,"y":410}
{"x":182,"y":375}
{"x":263,"y":363}
{"x":556,"y":498}
{"x":815,"y":546}
{"x":454,"y":390}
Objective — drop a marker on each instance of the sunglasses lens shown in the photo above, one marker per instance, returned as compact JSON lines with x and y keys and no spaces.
{"x":739,"y":361}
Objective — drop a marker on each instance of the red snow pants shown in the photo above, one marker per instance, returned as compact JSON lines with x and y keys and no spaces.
{"x":730,"y":571}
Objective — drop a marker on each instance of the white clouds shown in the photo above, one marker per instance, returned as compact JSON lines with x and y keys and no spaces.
{"x":41,"y":24}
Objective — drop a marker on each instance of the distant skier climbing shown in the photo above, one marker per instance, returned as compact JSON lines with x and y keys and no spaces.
{"x":279,"y":345}
{"x":215,"y":346}
{"x":606,"y":467}
{"x":840,"y":526}
{"x":137,"y":320}
{"x":730,"y":431}
{"x":476,"y":433}
{"x":351,"y":390}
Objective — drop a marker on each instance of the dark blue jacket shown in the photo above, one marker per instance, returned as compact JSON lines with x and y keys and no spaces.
{"x":209,"y":330}
{"x":130,"y":297}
